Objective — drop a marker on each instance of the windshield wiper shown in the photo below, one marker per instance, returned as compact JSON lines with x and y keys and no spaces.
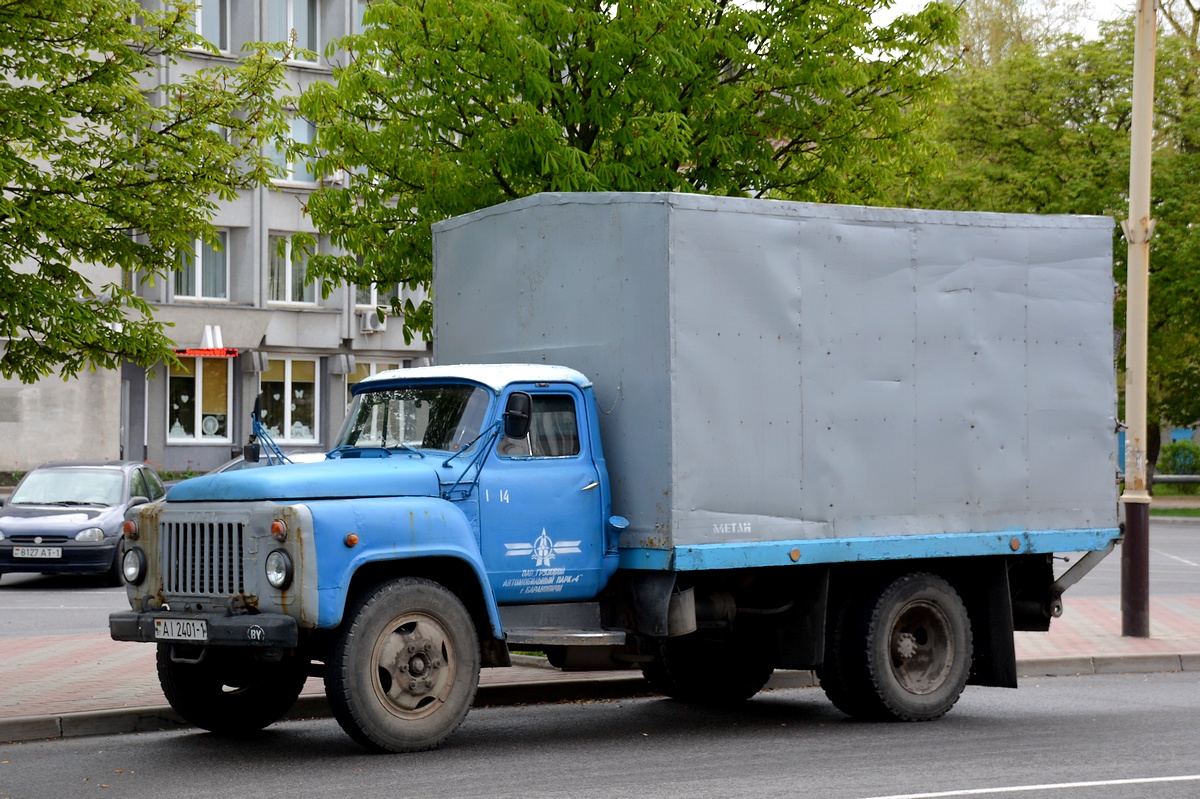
{"x":383,"y":452}
{"x":489,"y":429}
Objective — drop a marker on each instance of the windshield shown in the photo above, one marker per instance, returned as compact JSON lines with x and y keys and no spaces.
{"x":419,"y":417}
{"x":70,"y":487}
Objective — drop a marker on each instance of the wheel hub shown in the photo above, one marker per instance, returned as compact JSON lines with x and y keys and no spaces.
{"x":922,"y":647}
{"x":414,"y":667}
{"x":906,"y":645}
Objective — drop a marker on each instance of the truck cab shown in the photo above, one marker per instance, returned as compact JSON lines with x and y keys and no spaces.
{"x":538,"y":505}
{"x":459,"y":489}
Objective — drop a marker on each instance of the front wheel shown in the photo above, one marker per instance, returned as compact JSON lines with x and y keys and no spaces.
{"x":230,"y":695}
{"x":113,"y":575}
{"x":404,"y":671}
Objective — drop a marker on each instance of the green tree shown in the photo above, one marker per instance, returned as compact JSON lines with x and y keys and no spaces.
{"x":992,"y":29}
{"x":450,"y":106}
{"x":106,"y":173}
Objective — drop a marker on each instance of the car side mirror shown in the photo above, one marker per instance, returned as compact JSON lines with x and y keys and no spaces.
{"x":516,"y":415}
{"x":251,"y":452}
{"x":135,"y":501}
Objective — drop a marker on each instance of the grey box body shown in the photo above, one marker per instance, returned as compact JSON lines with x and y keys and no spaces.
{"x":770,"y":371}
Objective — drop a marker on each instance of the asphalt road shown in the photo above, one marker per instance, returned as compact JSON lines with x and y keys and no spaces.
{"x":1174,"y":566}
{"x":35,"y":604}
{"x":1092,"y":737}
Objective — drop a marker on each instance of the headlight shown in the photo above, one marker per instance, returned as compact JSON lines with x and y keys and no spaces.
{"x":1,"y":535}
{"x":133,"y":566}
{"x":279,"y":569}
{"x":90,"y":535}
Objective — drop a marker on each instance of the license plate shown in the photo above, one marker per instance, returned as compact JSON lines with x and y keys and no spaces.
{"x":37,"y":552}
{"x":181,"y":629}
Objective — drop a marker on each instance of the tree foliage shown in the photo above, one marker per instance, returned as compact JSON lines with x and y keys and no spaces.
{"x":106,"y":173}
{"x":1045,"y":129}
{"x":447,"y":106}
{"x":991,"y":30}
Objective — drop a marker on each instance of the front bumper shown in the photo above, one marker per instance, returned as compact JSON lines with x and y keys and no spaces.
{"x":260,"y":630}
{"x":76,"y":559}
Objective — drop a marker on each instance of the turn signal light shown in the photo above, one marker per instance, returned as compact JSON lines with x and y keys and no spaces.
{"x":279,"y":530}
{"x":130,"y":529}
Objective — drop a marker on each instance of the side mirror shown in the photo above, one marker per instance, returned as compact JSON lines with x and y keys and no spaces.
{"x":516,"y":415}
{"x":250,"y":451}
{"x":134,"y":501}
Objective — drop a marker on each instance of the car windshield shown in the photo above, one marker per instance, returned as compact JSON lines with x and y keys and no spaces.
{"x":442,"y":417}
{"x":69,"y":487}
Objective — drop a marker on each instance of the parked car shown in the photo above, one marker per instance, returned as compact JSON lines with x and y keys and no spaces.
{"x":241,"y":463}
{"x":66,"y":518}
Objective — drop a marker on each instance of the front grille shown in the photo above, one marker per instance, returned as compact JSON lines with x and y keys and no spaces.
{"x":44,"y":539}
{"x":203,"y":558}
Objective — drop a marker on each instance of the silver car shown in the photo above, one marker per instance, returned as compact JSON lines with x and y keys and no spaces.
{"x":66,"y":518}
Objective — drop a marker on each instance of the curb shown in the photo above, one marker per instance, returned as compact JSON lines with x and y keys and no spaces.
{"x":588,"y":686}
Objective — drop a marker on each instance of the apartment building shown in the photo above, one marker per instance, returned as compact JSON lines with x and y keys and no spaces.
{"x":245,"y":320}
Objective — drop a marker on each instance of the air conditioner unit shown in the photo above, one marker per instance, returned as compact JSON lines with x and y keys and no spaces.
{"x":369,"y":322}
{"x":335,"y":178}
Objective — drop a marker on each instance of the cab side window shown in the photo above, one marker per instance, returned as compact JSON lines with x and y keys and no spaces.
{"x":553,"y":430}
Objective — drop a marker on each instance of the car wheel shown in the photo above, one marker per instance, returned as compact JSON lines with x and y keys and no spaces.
{"x":708,"y":670}
{"x":909,"y":655}
{"x":113,"y":576}
{"x":405,"y":669}
{"x":230,"y":696}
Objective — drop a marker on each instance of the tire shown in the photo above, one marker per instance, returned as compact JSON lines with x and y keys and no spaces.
{"x":114,"y":576}
{"x":404,"y":671}
{"x":708,"y":670}
{"x":841,"y":686}
{"x":228,"y":697}
{"x":910,"y":655}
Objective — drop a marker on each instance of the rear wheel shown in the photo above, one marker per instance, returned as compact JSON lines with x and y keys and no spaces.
{"x":714,"y":670}
{"x":841,"y":686}
{"x":230,"y":695}
{"x":404,"y":672}
{"x":906,"y":653}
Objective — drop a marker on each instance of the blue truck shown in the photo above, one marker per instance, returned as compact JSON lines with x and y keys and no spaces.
{"x":704,"y":437}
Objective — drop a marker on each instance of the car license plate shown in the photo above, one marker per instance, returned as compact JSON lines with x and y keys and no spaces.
{"x":37,"y":552}
{"x":181,"y":629}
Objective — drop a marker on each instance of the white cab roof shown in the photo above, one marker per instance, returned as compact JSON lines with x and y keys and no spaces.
{"x":493,"y":375}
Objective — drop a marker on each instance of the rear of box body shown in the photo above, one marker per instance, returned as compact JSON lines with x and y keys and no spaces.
{"x":772,"y":371}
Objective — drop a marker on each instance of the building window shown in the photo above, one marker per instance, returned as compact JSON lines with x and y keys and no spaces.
{"x":374,"y":295}
{"x":199,"y":392}
{"x":204,"y":271}
{"x":289,"y":273}
{"x":364,"y":370}
{"x":302,"y":132}
{"x":212,"y":22}
{"x":285,"y":17}
{"x":360,"y":12}
{"x":290,"y":402}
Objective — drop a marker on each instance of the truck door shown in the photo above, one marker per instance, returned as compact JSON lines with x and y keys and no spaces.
{"x":541,"y":514}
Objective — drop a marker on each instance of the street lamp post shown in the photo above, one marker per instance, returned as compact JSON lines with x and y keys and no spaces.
{"x":1135,"y":551}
